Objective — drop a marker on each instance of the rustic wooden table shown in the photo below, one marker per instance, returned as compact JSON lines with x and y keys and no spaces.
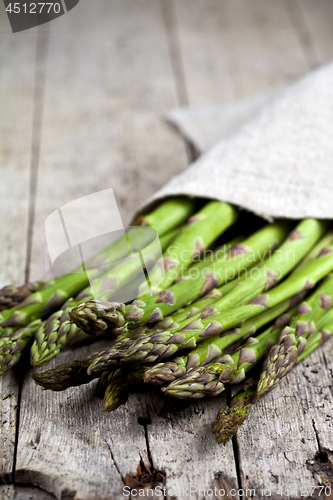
{"x":81,"y":104}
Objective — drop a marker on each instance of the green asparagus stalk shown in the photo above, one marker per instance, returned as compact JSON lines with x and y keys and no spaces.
{"x":217,"y":254}
{"x":202,"y":229}
{"x":64,"y":376}
{"x":292,"y":341}
{"x":12,"y":347}
{"x":213,"y":296}
{"x":11,"y":296}
{"x":168,"y":238}
{"x":324,"y":242}
{"x":187,"y":290}
{"x":168,"y":215}
{"x":152,"y":348}
{"x":7,"y":331}
{"x":193,"y":308}
{"x":102,"y":385}
{"x":210,"y":380}
{"x":214,"y":348}
{"x":118,"y":386}
{"x":230,"y":419}
{"x":317,"y":339}
{"x":54,"y":334}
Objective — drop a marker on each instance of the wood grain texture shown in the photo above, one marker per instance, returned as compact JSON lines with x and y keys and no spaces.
{"x":17,"y":62}
{"x":232,"y":49}
{"x":287,"y":430}
{"x":7,"y":492}
{"x":67,"y":446}
{"x":12,"y":492}
{"x":102,"y":124}
{"x":183,"y":446}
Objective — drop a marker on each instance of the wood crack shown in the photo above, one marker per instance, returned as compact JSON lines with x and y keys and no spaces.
{"x":321,"y":466}
{"x":145,"y":423}
{"x":235,"y":448}
{"x":316,"y":433}
{"x":114,"y":461}
{"x":38,"y":106}
{"x":39,"y":94}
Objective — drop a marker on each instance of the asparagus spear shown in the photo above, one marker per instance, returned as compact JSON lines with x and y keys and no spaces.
{"x":199,"y":266}
{"x":187,"y":290}
{"x":152,"y":348}
{"x":52,"y":335}
{"x":168,"y":215}
{"x":118,"y":385}
{"x":202,"y":229}
{"x":64,"y":376}
{"x":230,"y":419}
{"x":12,"y":347}
{"x":184,"y":315}
{"x":219,"y":253}
{"x":126,"y":338}
{"x":292,"y":341}
{"x":210,"y":380}
{"x":324,"y":242}
{"x":11,"y":296}
{"x":125,"y":350}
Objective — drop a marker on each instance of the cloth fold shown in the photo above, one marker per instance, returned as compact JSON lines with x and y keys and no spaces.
{"x":274,"y":156}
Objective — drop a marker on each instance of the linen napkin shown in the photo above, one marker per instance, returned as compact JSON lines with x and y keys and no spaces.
{"x":271,"y":155}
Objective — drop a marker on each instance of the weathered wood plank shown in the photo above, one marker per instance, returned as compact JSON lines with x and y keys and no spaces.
{"x":102,"y":125}
{"x":183,"y":446}
{"x":232,"y":49}
{"x":12,"y":492}
{"x":31,"y":493}
{"x":67,"y":446}
{"x":17,"y":62}
{"x":102,"y":102}
{"x":101,"y":128}
{"x":7,"y":492}
{"x":285,"y":430}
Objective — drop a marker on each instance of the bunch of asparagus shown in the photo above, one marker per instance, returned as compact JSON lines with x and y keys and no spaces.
{"x":246,"y":311}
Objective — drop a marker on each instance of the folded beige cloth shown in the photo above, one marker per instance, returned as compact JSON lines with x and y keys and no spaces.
{"x":274,"y":154}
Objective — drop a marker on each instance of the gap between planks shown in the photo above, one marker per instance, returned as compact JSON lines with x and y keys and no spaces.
{"x":38,"y":106}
